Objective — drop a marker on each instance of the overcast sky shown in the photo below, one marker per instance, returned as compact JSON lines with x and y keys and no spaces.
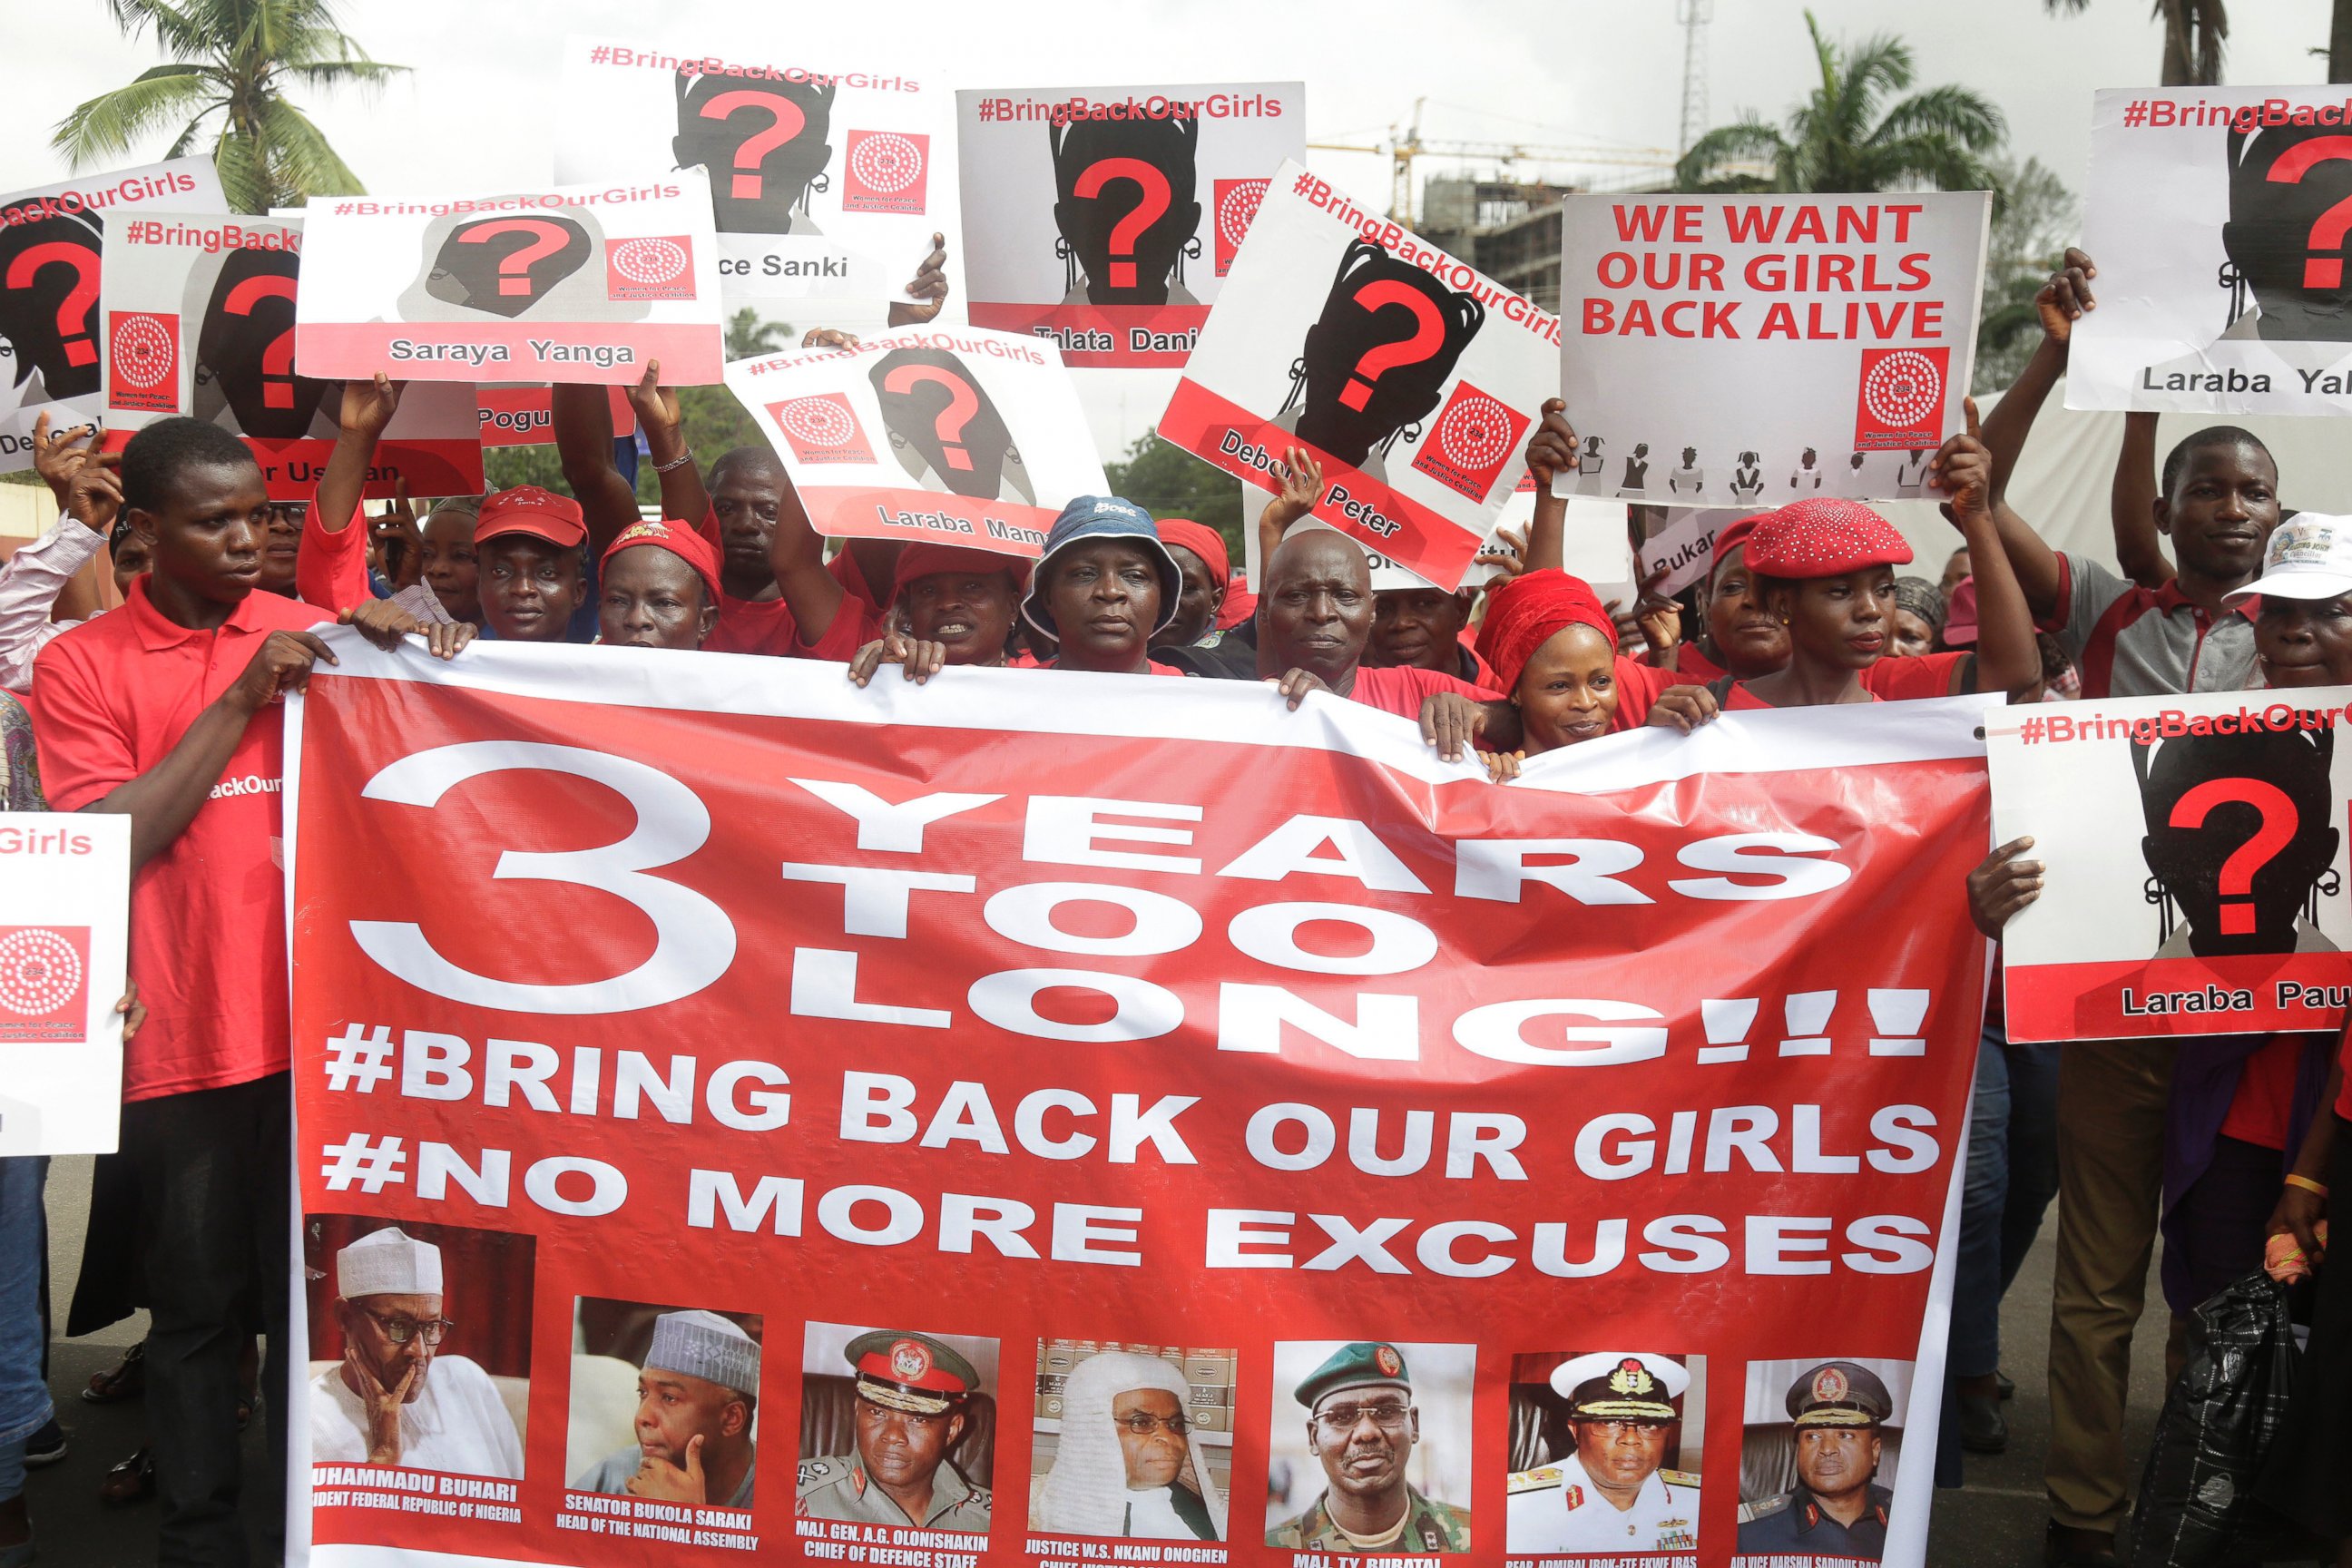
{"x":482,"y":108}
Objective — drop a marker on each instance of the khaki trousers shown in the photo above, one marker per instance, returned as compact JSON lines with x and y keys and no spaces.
{"x":2111,"y":1112}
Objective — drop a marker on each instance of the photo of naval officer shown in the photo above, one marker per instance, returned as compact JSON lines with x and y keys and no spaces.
{"x":1622,"y":1427}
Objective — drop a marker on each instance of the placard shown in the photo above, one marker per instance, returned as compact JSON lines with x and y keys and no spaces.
{"x":524,"y":415}
{"x":52,"y":326}
{"x":1410,"y":377}
{"x":2230,"y":294}
{"x":1752,"y":350}
{"x":960,"y":436}
{"x":200,"y":321}
{"x":825,"y":182}
{"x":1108,"y":217}
{"x":2195,"y":857}
{"x":65,"y":925}
{"x":580,"y":283}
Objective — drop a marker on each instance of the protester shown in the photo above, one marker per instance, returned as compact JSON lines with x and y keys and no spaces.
{"x":144,"y":713}
{"x":660,"y":588}
{"x":528,"y":543}
{"x":449,"y":575}
{"x":957,"y":605}
{"x":281,"y":553}
{"x":1199,"y":555}
{"x":89,"y":496}
{"x":2217,"y":500}
{"x":1919,"y":618}
{"x":1104,"y":584}
{"x":1553,"y":647}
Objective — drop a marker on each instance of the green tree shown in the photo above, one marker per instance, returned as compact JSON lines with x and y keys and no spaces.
{"x":2029,"y":241}
{"x":1854,"y":133}
{"x":232,"y":59}
{"x":1166,"y":481}
{"x":2194,"y":33}
{"x":748,"y":337}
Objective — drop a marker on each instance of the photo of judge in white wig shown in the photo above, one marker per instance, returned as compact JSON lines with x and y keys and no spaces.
{"x":1130,"y":1462}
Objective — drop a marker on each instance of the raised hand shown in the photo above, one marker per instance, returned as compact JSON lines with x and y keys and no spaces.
{"x":2063,"y":300}
{"x":1551,"y":450}
{"x":930,"y":288}
{"x":368,"y":406}
{"x":1963,"y":470}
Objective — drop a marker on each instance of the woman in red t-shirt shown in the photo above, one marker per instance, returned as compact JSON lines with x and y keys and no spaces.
{"x":1553,"y":649}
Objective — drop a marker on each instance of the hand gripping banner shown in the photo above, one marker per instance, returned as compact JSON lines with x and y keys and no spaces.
{"x":956,"y":1126}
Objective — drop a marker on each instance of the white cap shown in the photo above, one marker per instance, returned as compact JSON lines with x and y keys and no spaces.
{"x":707,"y":1346}
{"x":388,"y":1262}
{"x":2309,"y":557}
{"x":1635,"y":1375}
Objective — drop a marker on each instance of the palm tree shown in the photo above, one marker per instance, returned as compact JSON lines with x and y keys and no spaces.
{"x":1855,"y":134}
{"x":748,"y":337}
{"x":2193,"y":34}
{"x":232,"y":58}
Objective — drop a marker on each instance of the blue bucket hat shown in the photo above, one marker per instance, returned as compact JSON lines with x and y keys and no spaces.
{"x":1100,"y":516}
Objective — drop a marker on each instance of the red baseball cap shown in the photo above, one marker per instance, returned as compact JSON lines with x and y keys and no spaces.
{"x":1823,"y":536}
{"x":527,"y":508}
{"x":680,"y":540}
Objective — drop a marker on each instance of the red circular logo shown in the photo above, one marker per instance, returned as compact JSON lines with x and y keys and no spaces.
{"x":1238,"y":210}
{"x":39,"y":973}
{"x":649,"y":260}
{"x":1475,"y":434}
{"x":909,"y":1360}
{"x":142,"y":352}
{"x":1388,"y":1360}
{"x":1902,"y":390}
{"x":817,"y":422}
{"x":1829,"y":1386}
{"x":887,"y":161}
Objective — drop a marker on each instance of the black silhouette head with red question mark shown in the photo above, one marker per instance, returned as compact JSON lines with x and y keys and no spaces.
{"x":506,"y":264}
{"x":764,"y":145}
{"x":49,"y":302}
{"x":1125,"y":203}
{"x":943,"y":428}
{"x":245,"y":346}
{"x":2290,"y":222}
{"x":2240,"y":832}
{"x":1379,"y":353}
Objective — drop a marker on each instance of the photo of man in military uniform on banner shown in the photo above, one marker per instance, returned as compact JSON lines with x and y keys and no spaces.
{"x":908,"y":1438}
{"x":1365,"y":1428}
{"x":1838,"y":1450}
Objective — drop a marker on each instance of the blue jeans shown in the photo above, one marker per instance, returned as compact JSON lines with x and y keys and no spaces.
{"x":24,"y":1393}
{"x":2012,"y":1175}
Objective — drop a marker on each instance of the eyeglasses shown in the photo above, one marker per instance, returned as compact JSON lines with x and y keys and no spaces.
{"x":1388,"y":1417}
{"x":400,"y":1331}
{"x":1143,"y":1423}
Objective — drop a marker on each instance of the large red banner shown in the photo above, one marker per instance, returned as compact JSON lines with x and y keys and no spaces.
{"x":851,"y":1126}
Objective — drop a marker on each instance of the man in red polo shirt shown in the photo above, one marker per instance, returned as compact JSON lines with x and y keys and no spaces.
{"x":168,"y":711}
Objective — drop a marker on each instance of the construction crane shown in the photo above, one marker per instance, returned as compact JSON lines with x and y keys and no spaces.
{"x":1402,"y":150}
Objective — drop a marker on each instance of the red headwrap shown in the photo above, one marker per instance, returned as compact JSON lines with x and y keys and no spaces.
{"x":1528,"y":611}
{"x":924,"y":559}
{"x":1736,"y":533}
{"x":1823,"y":536}
{"x":680,"y":539}
{"x":1204,"y":542}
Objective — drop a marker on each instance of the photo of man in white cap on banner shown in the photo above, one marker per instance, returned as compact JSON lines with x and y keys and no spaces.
{"x":393,"y":1399}
{"x":695,"y":1433}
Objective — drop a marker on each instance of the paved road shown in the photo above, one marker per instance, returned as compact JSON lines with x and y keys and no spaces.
{"x":1995,"y":1522}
